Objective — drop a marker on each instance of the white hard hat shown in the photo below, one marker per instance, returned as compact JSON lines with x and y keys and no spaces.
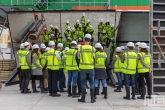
{"x":66,"y":48}
{"x":26,"y":44}
{"x":45,"y":29}
{"x":148,"y":48}
{"x":91,"y":26}
{"x":80,"y":25}
{"x":88,"y":21}
{"x":51,"y":26}
{"x":112,"y":25}
{"x":80,"y":39}
{"x":88,"y":36}
{"x":69,"y":38}
{"x":83,"y":14}
{"x":130,"y":44}
{"x":118,"y":49}
{"x":21,"y":46}
{"x":104,"y":31}
{"x":101,"y":20}
{"x":52,"y":35}
{"x":101,"y":47}
{"x":59,"y":45}
{"x":137,"y":43}
{"x":74,"y":42}
{"x":67,"y":21}
{"x":78,"y":46}
{"x":47,"y":48}
{"x":56,"y":27}
{"x":143,"y":45}
{"x":73,"y":29}
{"x":42,"y":46}
{"x":51,"y":43}
{"x":122,"y":47}
{"x":35,"y":46}
{"x":78,"y":21}
{"x":98,"y":45}
{"x":107,"y":20}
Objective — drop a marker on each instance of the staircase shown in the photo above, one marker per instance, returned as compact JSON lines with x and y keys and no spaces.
{"x":157,"y":21}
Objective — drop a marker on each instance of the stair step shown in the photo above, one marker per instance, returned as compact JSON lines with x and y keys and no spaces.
{"x":158,"y":11}
{"x":156,"y":61}
{"x":159,"y":36}
{"x":159,"y":85}
{"x":158,"y":52}
{"x":158,"y":19}
{"x":158,"y":77}
{"x":159,"y":44}
{"x":158,"y":28}
{"x":158,"y":68}
{"x":158,"y":3}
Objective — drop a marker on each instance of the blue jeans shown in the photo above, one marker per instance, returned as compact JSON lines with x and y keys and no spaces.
{"x":84,"y":74}
{"x":103,"y":81}
{"x":118,"y":75}
{"x":72,"y":77}
{"x":61,"y":78}
{"x":52,"y":80}
{"x":129,"y":78}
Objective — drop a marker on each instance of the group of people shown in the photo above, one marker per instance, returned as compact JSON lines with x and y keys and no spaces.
{"x":135,"y":66}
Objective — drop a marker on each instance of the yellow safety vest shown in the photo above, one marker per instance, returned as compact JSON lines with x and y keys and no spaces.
{"x":70,"y":61}
{"x":37,"y":61}
{"x":24,"y":64}
{"x":52,"y":60}
{"x":86,"y":54}
{"x":118,"y":65}
{"x":19,"y":53}
{"x":100,"y":58}
{"x":60,"y":62}
{"x":146,"y":58}
{"x":130,"y":63}
{"x":43,"y":59}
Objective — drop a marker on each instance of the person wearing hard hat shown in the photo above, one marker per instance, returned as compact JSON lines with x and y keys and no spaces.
{"x":129,"y":60}
{"x":61,"y":72}
{"x":117,"y":66}
{"x":111,"y":32}
{"x":101,"y":26}
{"x":83,"y":20}
{"x":19,"y":55}
{"x":68,"y":32}
{"x":72,"y":67}
{"x":67,"y":43}
{"x":100,"y":67}
{"x":107,"y":26}
{"x":74,"y":35}
{"x":67,"y":25}
{"x":144,"y":71}
{"x":53,"y":59}
{"x":87,"y":26}
{"x":86,"y":55}
{"x":63,"y":58}
{"x":60,"y":39}
{"x":52,"y":37}
{"x":51,"y":31}
{"x":26,"y":68}
{"x":137,"y":46}
{"x":56,"y":33}
{"x":80,"y":32}
{"x":36,"y":69}
{"x":43,"y":64}
{"x":76,"y":25}
{"x":91,"y":32}
{"x":45,"y":35}
{"x":122,"y":48}
{"x":103,"y":38}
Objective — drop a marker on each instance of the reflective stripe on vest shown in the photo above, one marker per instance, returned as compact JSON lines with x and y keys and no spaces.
{"x":24,"y":64}
{"x":100,"y":59}
{"x":118,"y":66}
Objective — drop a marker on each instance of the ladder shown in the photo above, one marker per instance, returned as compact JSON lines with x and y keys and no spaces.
{"x":157,"y":30}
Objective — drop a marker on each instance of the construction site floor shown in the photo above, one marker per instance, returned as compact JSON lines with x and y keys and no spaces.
{"x":12,"y":99}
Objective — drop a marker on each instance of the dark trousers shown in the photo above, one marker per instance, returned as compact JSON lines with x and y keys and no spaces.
{"x":52,"y":80}
{"x":36,"y":18}
{"x":26,"y":78}
{"x":99,"y":36}
{"x":20,"y":75}
{"x":148,"y":81}
{"x":61,"y":79}
{"x":41,"y":78}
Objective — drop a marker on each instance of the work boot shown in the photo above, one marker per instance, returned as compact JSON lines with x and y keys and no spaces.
{"x":96,"y":89}
{"x":105,"y":92}
{"x":133,"y":93}
{"x":42,"y":88}
{"x":34,"y":88}
{"x":74,"y":95}
{"x":56,"y":95}
{"x":117,"y":90}
{"x":69,"y":91}
{"x":46,"y":89}
{"x":92,"y":93}
{"x":27,"y":91}
{"x":149,"y":93}
{"x":83,"y":94}
{"x":62,"y":90}
{"x":142,"y":94}
{"x":127,"y":94}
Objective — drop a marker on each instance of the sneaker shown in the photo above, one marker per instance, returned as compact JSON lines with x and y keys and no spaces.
{"x":117,"y":90}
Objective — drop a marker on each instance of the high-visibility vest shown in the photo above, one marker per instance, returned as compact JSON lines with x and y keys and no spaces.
{"x":70,"y":60}
{"x":103,"y":39}
{"x":46,"y":36}
{"x":24,"y":64}
{"x":146,"y":58}
{"x":60,"y":62}
{"x":91,"y":32}
{"x":100,"y":27}
{"x":51,"y":31}
{"x":66,"y":26}
{"x":130,"y":63}
{"x":67,"y":44}
{"x":80,"y":32}
{"x":52,"y":60}
{"x":100,"y":58}
{"x":43,"y":59}
{"x":74,"y":36}
{"x":118,"y":65}
{"x":86,"y":55}
{"x":68,"y":33}
{"x":37,"y":61}
{"x":19,"y":53}
{"x":107,"y":28}
{"x":83,"y":21}
{"x":60,"y":40}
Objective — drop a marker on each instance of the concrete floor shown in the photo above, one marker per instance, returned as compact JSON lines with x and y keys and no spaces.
{"x":12,"y":99}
